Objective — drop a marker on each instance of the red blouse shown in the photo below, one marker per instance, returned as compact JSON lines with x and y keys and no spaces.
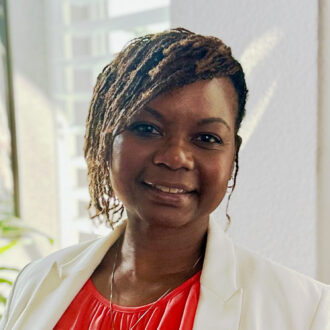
{"x":90,"y":310}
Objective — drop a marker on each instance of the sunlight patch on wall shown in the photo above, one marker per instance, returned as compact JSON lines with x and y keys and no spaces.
{"x":251,"y":121}
{"x":254,"y":55}
{"x":258,"y":49}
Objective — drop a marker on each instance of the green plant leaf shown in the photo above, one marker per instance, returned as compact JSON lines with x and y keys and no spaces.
{"x":6,"y":247}
{"x":14,"y":228}
{"x":9,"y":268}
{"x":3,"y":299}
{"x":5,"y":280}
{"x":11,"y":232}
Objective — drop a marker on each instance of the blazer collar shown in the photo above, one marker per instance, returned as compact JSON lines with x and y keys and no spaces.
{"x":60,"y":283}
{"x":219,"y":268}
{"x":220,"y":300}
{"x":93,"y":255}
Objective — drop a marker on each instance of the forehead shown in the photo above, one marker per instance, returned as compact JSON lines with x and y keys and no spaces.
{"x":202,"y":99}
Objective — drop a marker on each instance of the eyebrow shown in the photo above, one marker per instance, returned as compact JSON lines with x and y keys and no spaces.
{"x":203,"y":121}
{"x":213,"y":120}
{"x":153,"y":112}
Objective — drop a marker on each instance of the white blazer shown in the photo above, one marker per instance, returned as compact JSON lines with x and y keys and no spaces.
{"x":239,"y":290}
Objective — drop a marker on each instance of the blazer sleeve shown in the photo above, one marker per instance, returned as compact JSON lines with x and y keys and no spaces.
{"x":321,"y":319}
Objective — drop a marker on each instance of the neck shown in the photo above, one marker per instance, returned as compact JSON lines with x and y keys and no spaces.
{"x":150,"y":253}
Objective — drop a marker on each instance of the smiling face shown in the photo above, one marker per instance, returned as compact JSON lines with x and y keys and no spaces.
{"x":171,"y":166}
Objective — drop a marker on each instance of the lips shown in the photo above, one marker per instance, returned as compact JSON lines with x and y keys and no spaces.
{"x":168,"y":195}
{"x":170,"y":187}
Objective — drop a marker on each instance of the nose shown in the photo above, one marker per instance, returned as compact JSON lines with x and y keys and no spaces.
{"x":174,"y":156}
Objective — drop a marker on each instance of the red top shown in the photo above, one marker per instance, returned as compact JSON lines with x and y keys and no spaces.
{"x":90,"y":310}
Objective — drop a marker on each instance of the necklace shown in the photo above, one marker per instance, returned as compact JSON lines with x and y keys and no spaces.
{"x":153,"y":303}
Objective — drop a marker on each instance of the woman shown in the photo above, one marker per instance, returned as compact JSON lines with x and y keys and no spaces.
{"x":162,"y":140}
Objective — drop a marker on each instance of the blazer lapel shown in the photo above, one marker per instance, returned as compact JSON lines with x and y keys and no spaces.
{"x":61,"y":283}
{"x":220,"y":300}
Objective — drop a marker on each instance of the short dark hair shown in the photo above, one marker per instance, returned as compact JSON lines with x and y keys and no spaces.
{"x":147,"y":67}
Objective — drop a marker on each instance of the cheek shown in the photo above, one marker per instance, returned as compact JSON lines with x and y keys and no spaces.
{"x":215,"y":179}
{"x":120,"y":167}
{"x":127,"y":164}
{"x":219,"y":169}
{"x":123,"y":155}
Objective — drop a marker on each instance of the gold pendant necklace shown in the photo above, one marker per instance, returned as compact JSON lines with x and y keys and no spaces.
{"x":152,"y":304}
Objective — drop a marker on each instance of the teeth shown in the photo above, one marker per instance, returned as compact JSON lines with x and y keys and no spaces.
{"x":162,"y":188}
{"x":176,"y":191}
{"x":168,"y":189}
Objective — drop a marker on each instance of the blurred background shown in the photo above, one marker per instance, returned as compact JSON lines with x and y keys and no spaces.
{"x":51,"y":54}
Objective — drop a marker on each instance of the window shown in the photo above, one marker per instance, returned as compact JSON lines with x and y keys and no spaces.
{"x":7,"y":128}
{"x":85,"y":36}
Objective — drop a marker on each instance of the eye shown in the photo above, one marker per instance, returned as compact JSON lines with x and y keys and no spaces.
{"x":208,"y":139}
{"x":144,"y":129}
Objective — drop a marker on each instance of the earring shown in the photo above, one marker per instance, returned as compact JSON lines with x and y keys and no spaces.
{"x":231,"y":183}
{"x":227,"y":206}
{"x":230,"y":189}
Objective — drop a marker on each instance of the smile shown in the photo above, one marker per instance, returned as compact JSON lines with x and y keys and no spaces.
{"x":166,"y":189}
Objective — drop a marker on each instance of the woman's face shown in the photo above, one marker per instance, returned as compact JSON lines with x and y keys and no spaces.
{"x":172,"y":164}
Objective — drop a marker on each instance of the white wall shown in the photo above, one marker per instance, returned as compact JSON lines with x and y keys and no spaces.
{"x":324,"y":143}
{"x":274,"y":207}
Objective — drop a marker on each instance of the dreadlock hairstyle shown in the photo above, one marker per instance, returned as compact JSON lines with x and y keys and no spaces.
{"x":145,"y":68}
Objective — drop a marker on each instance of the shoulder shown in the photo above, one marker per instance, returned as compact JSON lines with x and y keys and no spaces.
{"x":60,"y":257}
{"x":281,"y":291}
{"x":34,"y":274}
{"x":55,"y":279}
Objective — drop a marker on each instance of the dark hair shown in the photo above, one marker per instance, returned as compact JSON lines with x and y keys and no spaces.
{"x":146,"y":67}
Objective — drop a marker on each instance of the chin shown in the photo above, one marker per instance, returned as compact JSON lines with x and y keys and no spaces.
{"x":166,"y":219}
